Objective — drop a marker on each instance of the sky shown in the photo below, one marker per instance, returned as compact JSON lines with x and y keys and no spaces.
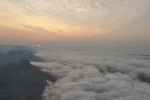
{"x":89,"y":23}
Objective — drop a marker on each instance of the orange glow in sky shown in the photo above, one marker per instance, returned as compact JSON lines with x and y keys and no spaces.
{"x":47,"y":20}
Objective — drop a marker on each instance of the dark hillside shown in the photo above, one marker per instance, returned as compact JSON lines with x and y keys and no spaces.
{"x":22,"y":81}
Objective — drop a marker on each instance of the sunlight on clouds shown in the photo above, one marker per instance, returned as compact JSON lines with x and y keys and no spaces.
{"x":97,"y":12}
{"x":71,"y":18}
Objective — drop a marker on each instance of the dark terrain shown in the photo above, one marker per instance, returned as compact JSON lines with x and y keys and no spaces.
{"x":19,"y":80}
{"x":17,"y":55}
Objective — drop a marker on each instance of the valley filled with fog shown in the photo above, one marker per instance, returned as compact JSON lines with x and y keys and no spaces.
{"x":95,"y":76}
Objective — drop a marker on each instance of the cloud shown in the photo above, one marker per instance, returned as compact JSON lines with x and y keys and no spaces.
{"x":93,"y":77}
{"x":99,"y":12}
{"x":102,"y":13}
{"x":25,"y":35}
{"x":76,"y":20}
{"x":39,"y":30}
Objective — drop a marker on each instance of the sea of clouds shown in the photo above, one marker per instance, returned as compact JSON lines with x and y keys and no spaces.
{"x":92,"y":76}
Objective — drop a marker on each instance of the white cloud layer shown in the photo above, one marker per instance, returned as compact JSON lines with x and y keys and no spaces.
{"x":89,"y":76}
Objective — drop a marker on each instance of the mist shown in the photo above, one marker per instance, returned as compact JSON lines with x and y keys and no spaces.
{"x":93,"y":76}
{"x":74,"y":50}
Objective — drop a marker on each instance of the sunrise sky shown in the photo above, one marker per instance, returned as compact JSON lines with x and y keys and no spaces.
{"x":98,"y":21}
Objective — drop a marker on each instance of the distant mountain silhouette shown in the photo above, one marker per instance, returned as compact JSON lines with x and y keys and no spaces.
{"x":19,"y":80}
{"x":7,"y":48}
{"x":22,"y":81}
{"x":17,"y":55}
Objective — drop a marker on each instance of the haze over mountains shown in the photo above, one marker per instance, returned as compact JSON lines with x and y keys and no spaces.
{"x":73,"y":75}
{"x":75,"y":50}
{"x":19,"y":80}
